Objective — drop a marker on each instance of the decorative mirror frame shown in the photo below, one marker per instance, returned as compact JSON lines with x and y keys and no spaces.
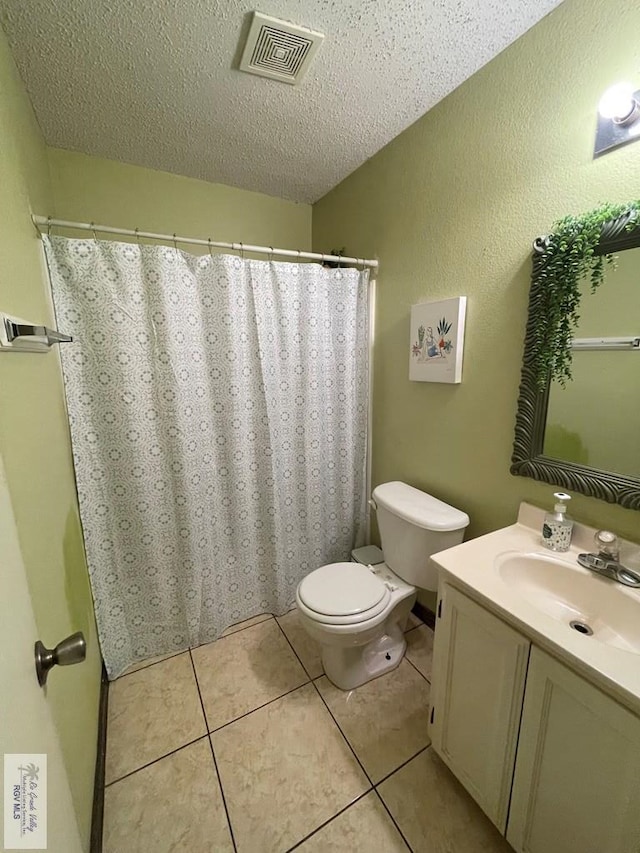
{"x":528,"y":459}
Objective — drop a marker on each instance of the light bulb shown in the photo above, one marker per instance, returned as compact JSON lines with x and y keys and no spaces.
{"x":618,"y":102}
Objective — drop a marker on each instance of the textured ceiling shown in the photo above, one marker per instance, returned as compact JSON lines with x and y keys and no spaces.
{"x":154,"y":82}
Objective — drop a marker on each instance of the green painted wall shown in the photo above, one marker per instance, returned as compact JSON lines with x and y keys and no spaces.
{"x":90,"y":189}
{"x":34,"y":443}
{"x":451,"y":207}
{"x":34,"y":438}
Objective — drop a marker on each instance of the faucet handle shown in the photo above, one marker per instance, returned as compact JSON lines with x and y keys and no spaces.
{"x":607,"y":544}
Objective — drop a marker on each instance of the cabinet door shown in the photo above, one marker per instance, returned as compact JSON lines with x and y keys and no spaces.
{"x":577,"y":782}
{"x":479,"y":673}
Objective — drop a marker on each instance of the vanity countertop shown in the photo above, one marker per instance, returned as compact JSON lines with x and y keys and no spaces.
{"x":471,"y":567}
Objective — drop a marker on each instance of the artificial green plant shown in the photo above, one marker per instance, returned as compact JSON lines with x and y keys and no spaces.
{"x":568,"y":257}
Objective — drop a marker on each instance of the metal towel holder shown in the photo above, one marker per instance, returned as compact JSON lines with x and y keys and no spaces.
{"x":19,"y":336}
{"x":16,"y":331}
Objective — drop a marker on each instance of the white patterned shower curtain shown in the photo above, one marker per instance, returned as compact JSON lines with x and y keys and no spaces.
{"x":218,"y":412}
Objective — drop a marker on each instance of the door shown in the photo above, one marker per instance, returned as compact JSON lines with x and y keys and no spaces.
{"x":577,"y":782}
{"x":25,"y":720}
{"x":480,"y":666}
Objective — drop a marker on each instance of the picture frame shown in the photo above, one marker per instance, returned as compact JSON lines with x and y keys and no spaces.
{"x":437,"y":340}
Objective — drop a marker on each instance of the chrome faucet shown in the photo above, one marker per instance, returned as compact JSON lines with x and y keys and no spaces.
{"x":607,"y":561}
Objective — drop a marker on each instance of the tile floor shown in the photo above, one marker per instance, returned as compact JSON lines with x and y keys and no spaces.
{"x":244,"y":745}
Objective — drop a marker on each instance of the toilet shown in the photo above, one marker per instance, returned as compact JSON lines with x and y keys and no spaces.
{"x":358,"y":613}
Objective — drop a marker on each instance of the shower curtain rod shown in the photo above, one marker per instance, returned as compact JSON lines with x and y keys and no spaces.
{"x":44,"y":222}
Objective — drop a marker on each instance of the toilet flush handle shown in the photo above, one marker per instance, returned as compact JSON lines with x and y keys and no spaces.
{"x":373,"y":504}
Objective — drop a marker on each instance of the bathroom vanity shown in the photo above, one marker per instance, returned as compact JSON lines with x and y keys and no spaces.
{"x":539,"y":722}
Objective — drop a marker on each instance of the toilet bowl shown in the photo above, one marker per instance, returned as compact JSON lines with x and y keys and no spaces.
{"x":358,"y":613}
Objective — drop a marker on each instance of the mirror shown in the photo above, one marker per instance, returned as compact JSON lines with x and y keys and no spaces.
{"x":585,"y":436}
{"x":595,"y":419}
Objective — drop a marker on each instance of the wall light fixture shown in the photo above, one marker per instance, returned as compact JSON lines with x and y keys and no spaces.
{"x":618,"y":118}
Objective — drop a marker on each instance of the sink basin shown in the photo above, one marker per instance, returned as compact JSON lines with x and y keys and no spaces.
{"x":594,"y":606}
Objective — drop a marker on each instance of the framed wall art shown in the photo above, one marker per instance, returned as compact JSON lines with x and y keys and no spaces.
{"x":437,"y":339}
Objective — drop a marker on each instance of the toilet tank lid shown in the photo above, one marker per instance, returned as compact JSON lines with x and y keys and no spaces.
{"x":418,"y":507}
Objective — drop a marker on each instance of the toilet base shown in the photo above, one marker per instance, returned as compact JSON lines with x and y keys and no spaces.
{"x":353,"y":666}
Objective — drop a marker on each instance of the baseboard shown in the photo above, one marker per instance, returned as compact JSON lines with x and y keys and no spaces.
{"x":427,"y":616}
{"x":97,"y":814}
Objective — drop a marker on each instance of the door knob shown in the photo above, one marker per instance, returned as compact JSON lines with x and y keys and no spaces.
{"x":73,"y":649}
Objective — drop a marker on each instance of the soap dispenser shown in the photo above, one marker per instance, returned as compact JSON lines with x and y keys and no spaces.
{"x":557,"y":527}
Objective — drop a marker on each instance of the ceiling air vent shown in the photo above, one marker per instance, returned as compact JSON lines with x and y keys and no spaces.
{"x":279,"y":50}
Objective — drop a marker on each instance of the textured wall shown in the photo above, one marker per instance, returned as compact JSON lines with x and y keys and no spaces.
{"x":34,"y":444}
{"x":34,"y":437}
{"x":451,"y":207}
{"x":90,"y":189}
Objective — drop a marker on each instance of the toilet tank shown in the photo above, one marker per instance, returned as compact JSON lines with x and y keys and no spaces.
{"x":413,"y":525}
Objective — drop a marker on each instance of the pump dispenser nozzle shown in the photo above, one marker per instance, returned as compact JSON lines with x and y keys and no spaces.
{"x":562,"y":500}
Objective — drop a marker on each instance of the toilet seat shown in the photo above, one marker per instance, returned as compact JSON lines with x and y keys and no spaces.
{"x":343,"y":594}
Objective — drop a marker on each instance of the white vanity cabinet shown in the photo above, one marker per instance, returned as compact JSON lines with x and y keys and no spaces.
{"x":551,"y":759}
{"x":479,"y":670}
{"x":577,"y":781}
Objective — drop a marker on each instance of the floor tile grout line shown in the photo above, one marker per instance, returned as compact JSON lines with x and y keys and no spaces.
{"x":191,"y":648}
{"x":291,"y":646}
{"x":156,"y":760}
{"x":346,"y":740}
{"x":393,"y":820}
{"x":213,"y":755}
{"x":416,"y":669}
{"x":210,"y":732}
{"x":259,"y":708}
{"x":313,"y":681}
{"x":333,"y":817}
{"x":404,"y":763}
{"x":287,"y":693}
{"x":228,"y":632}
{"x":225,"y":635}
{"x":224,"y":799}
{"x":148,"y":665}
{"x":385,"y":806}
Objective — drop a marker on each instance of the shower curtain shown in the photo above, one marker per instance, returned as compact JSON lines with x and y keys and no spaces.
{"x":218,"y":413}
